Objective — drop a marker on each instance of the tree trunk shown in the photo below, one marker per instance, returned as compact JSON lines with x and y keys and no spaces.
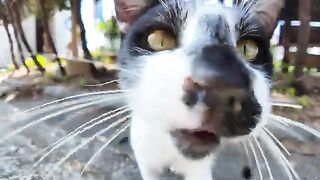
{"x":15,"y":31}
{"x":286,"y":45}
{"x":303,"y":38}
{"x":20,"y":51}
{"x":74,"y":30}
{"x":74,"y":67}
{"x":86,"y":52}
{"x":17,"y":18}
{"x":6,"y":27}
{"x":50,"y":40}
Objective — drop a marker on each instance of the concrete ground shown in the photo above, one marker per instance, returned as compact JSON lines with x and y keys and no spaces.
{"x":117,"y":162}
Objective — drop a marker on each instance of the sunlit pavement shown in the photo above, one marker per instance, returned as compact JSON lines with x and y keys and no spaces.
{"x":117,"y":162}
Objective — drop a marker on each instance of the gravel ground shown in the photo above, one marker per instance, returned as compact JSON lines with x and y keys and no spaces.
{"x":116,"y":162}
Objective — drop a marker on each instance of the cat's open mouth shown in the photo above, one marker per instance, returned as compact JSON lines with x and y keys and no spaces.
{"x":195,"y":143}
{"x":199,"y":137}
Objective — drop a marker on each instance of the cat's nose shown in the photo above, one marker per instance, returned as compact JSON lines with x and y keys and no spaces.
{"x":218,"y":76}
{"x":214,"y":93}
{"x":229,"y":109}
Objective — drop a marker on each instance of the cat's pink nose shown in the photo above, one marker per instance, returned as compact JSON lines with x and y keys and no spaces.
{"x":191,"y":92}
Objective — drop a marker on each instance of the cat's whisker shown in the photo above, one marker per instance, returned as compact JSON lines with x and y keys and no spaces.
{"x":171,"y":23}
{"x":277,"y":141}
{"x":114,"y":98}
{"x":102,"y":84}
{"x":74,"y":97}
{"x":177,"y":9}
{"x":110,"y":140}
{"x":99,"y":133}
{"x":289,"y":130}
{"x":277,"y":154}
{"x":86,"y":124}
{"x":166,"y":7}
{"x":293,"y":171}
{"x":256,"y":159}
{"x":251,"y":32}
{"x":56,"y":107}
{"x":287,"y":121}
{"x":247,"y":6}
{"x":141,"y":50}
{"x":47,"y":117}
{"x":251,"y":28}
{"x":287,"y":105}
{"x":175,"y":13}
{"x":264,"y":158}
{"x":245,"y":147}
{"x":248,"y":32}
{"x":79,"y":130}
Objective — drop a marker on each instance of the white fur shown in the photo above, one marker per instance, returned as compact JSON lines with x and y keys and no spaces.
{"x":161,"y":84}
{"x":157,"y":152}
{"x":261,"y":88}
{"x":157,"y":109}
{"x":196,"y":34}
{"x":157,"y":106}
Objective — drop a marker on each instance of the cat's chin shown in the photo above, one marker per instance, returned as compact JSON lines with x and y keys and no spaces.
{"x":195,"y":144}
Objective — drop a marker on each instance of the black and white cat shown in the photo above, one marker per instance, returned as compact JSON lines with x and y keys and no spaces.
{"x":198,"y":74}
{"x":195,"y":76}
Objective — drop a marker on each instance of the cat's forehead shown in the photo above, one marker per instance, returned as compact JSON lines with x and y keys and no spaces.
{"x":207,"y":16}
{"x":194,"y":22}
{"x":188,"y":13}
{"x":200,"y":9}
{"x":264,"y":11}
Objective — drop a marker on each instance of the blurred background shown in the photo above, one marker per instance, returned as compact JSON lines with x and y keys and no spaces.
{"x":50,"y":49}
{"x":56,"y":35}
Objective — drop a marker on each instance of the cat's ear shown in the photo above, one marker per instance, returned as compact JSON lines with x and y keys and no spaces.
{"x":267,"y":12}
{"x":127,"y":11}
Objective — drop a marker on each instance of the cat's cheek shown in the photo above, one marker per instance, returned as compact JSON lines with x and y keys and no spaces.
{"x":261,"y":87}
{"x":157,"y":96}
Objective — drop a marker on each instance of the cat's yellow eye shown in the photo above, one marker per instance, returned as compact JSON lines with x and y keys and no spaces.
{"x":160,"y":40}
{"x":248,"y":48}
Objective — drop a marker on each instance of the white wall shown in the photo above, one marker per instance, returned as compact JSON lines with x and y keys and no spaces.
{"x":108,"y":7}
{"x":29,"y":27}
{"x":94,"y":37}
{"x":61,"y":31}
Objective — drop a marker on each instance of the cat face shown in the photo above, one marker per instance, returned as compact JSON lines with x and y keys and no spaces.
{"x":198,"y":70}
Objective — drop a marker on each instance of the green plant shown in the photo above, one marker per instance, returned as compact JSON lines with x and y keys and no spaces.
{"x":304,"y":101}
{"x":110,"y":30}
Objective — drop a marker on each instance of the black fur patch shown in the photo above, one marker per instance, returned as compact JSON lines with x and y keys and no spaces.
{"x":246,"y":173}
